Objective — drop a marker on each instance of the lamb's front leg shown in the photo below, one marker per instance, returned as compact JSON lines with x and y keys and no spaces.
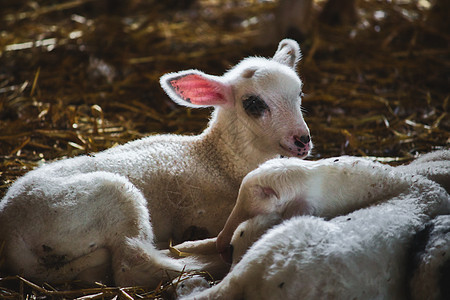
{"x":326,"y":188}
{"x":202,"y":253}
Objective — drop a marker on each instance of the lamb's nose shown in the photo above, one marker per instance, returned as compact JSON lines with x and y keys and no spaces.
{"x":305,"y":139}
{"x":302,"y":141}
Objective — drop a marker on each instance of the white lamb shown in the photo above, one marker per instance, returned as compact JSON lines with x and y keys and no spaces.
{"x":72,"y":217}
{"x":360,"y":255}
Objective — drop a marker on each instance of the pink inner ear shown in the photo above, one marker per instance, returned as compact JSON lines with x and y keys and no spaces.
{"x":198,"y":90}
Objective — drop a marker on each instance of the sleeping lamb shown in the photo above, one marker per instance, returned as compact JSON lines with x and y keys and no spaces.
{"x":357,"y":255}
{"x":76,"y":217}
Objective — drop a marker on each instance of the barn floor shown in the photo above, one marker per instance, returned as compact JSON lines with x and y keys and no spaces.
{"x":82,"y":76}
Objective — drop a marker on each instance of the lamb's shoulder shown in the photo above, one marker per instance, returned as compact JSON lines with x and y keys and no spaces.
{"x":192,"y":201}
{"x":186,"y":182}
{"x":171,"y":163}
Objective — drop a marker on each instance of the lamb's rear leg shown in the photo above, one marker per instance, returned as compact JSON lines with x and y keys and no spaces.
{"x":137,"y":262}
{"x":87,"y":219}
{"x":125,"y":230}
{"x":24,"y":260}
{"x":129,"y":236}
{"x":93,"y":267}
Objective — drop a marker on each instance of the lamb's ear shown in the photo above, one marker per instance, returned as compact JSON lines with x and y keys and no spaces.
{"x":194,"y":88}
{"x":288,"y":53}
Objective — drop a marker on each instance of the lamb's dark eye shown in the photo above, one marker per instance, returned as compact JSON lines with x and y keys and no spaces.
{"x":255,"y":106}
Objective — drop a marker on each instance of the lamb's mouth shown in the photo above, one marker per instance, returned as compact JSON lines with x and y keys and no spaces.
{"x":288,"y":151}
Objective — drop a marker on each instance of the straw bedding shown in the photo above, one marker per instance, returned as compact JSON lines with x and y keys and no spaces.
{"x":81,"y":76}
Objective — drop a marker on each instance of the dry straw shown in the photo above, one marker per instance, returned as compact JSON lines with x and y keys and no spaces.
{"x":82,"y":76}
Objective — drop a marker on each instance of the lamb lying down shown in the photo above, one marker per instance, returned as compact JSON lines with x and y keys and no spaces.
{"x":80,"y":217}
{"x":359,"y":255}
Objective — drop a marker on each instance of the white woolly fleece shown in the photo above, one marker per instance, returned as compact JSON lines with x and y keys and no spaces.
{"x":359,"y":255}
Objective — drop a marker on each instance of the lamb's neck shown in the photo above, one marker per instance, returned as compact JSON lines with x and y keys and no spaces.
{"x":234,"y":144}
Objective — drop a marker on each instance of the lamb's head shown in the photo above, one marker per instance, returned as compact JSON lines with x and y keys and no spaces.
{"x":277,"y":188}
{"x":258,"y":102}
{"x":248,"y":232}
